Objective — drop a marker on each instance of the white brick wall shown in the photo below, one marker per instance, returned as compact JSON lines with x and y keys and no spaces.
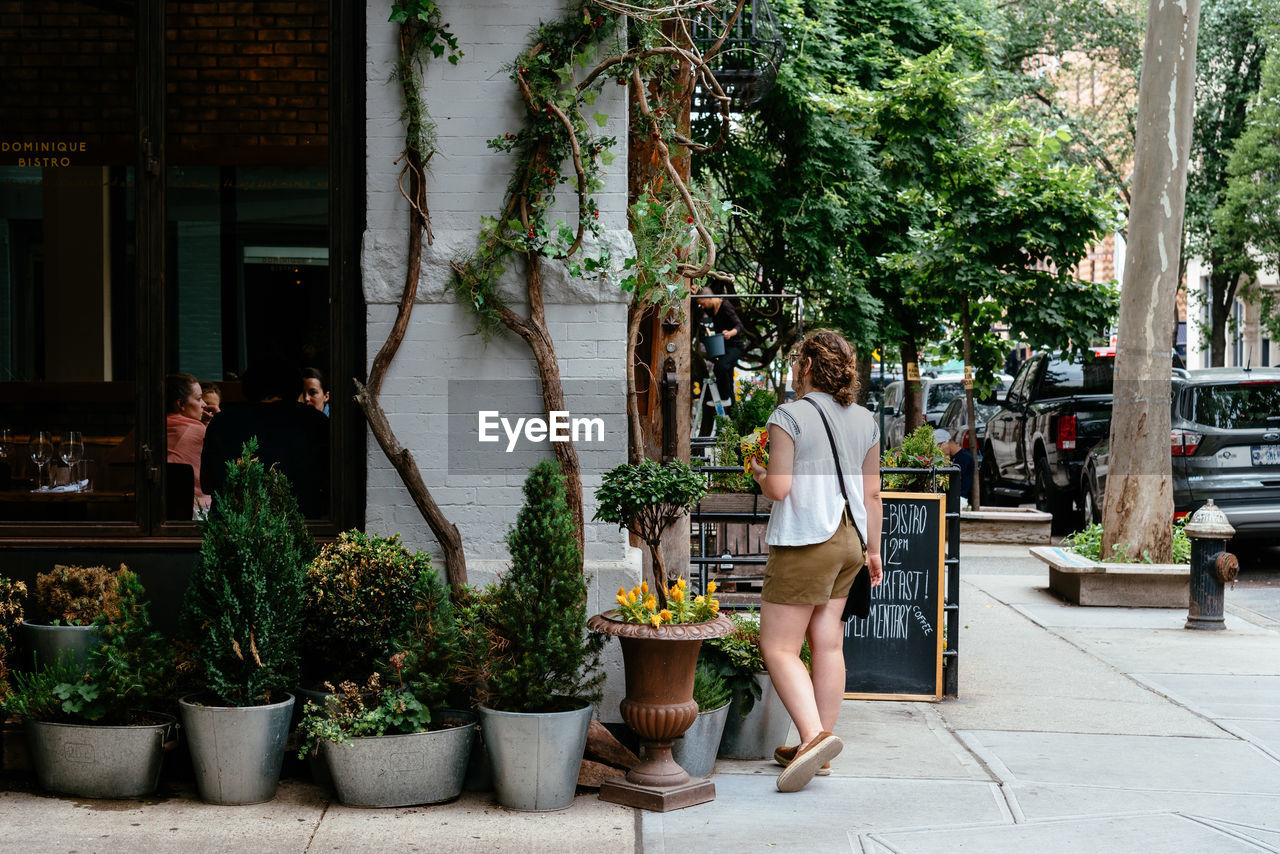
{"x":471,"y":103}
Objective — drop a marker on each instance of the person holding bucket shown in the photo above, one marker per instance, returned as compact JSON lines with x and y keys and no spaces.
{"x":824,"y":531}
{"x":725,"y":322}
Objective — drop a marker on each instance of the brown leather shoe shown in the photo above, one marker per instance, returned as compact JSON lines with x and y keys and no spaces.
{"x":800,"y":770}
{"x":783,"y":756}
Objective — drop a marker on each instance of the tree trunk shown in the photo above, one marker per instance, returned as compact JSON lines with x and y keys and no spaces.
{"x":1139,"y":503}
{"x":864,"y":374}
{"x":1220,"y":302}
{"x":970,"y":437}
{"x":912,"y":390}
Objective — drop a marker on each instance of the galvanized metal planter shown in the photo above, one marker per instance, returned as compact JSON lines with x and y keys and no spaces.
{"x":696,"y":752}
{"x":764,"y":728}
{"x":236,"y":751}
{"x":48,"y":643}
{"x":90,"y":761}
{"x":535,"y":757}
{"x":402,"y":770}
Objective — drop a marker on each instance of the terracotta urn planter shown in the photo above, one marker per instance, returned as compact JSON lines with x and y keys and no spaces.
{"x":659,"y":706}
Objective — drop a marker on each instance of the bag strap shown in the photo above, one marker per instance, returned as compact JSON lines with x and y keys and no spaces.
{"x":835,"y":455}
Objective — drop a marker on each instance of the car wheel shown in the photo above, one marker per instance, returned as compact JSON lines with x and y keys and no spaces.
{"x":987,"y":480}
{"x":1051,"y":500}
{"x":1089,"y":506}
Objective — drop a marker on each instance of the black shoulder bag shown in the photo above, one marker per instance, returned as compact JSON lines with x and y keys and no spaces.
{"x":859,"y":602}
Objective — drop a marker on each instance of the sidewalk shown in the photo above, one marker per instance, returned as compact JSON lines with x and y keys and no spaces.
{"x":1078,"y":730}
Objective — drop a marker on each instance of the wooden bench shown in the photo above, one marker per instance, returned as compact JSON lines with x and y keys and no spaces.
{"x":1127,"y":585}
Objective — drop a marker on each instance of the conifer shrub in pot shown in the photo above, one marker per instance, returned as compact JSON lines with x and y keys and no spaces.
{"x":393,"y":741}
{"x":89,"y":728}
{"x":536,"y":670}
{"x":70,"y":598}
{"x":243,"y":614}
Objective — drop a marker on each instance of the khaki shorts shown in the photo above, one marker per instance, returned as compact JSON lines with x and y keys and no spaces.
{"x":816,"y":573}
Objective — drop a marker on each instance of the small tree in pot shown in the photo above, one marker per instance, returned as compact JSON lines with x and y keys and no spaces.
{"x":243,"y":611}
{"x":536,"y":668}
{"x":645,"y":499}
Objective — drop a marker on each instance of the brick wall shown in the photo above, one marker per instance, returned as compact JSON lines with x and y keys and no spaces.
{"x":247,"y":82}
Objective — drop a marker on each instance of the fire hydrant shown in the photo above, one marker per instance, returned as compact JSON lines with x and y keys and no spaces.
{"x":1212,"y":566}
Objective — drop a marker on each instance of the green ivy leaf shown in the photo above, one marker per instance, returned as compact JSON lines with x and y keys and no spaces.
{"x":602,"y":119}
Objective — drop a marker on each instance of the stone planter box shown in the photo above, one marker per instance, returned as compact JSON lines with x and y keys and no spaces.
{"x":1005,"y":525}
{"x":1126,"y":585}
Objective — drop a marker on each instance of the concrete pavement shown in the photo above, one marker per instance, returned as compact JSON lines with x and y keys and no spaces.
{"x":1077,"y":729}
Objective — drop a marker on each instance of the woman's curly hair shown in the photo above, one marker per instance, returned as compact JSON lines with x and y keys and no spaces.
{"x":833,"y":365}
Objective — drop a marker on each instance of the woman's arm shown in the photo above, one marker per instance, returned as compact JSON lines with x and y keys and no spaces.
{"x":875,"y":511}
{"x":775,"y":481}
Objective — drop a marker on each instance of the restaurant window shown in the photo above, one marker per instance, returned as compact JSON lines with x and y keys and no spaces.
{"x":214,"y":263}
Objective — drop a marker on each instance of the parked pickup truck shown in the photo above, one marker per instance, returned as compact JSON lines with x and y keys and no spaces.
{"x":1036,"y":444}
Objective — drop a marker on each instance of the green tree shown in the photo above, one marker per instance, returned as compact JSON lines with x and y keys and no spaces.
{"x":535,"y":649}
{"x":1229,"y":58}
{"x":243,"y":605}
{"x":1249,"y":216}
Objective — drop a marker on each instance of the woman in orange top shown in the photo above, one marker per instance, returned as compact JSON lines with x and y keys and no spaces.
{"x":185,"y":427}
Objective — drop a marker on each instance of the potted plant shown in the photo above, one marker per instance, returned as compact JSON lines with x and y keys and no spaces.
{"x":89,"y":729}
{"x":735,"y":491}
{"x":660,"y":630}
{"x":394,"y":743}
{"x":757,"y":722}
{"x":919,"y":451}
{"x":11,"y":595}
{"x":243,"y":614}
{"x":696,"y":751}
{"x":537,"y":669}
{"x":70,"y":598}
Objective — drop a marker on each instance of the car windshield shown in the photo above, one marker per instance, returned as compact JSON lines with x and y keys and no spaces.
{"x":1092,"y":377}
{"x":940,"y":394}
{"x":1237,"y":406}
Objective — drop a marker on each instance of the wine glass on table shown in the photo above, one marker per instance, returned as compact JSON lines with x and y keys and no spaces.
{"x":72,"y":451}
{"x":41,"y":454}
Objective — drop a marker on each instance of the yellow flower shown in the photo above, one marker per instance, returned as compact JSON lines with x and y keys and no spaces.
{"x":622,"y":590}
{"x":655,"y":619}
{"x":698,"y":600}
{"x":644,"y":587}
{"x":632,"y":597}
{"x":651,"y":603}
{"x":711,"y":588}
{"x":622,"y":598}
{"x":664,"y":616}
{"x":682,"y":584}
{"x":676,"y":594}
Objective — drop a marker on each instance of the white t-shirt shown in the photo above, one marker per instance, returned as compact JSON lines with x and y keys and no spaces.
{"x":811,"y":511}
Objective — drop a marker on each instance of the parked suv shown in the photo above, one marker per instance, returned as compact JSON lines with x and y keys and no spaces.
{"x":1225,"y":443}
{"x":1034,"y":447}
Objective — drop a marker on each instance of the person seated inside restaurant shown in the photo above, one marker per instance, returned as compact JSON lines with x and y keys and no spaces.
{"x":292,"y":436}
{"x":314,"y":393}
{"x":212,"y":401}
{"x":185,"y":427}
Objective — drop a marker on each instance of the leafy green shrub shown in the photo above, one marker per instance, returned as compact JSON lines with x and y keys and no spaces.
{"x":736,"y":658}
{"x":428,"y":649}
{"x":75,"y":595}
{"x":11,"y":593}
{"x":532,"y":647}
{"x":243,"y":607}
{"x":1088,"y":543}
{"x":710,"y":691}
{"x":355,"y":711}
{"x":129,"y":671}
{"x":756,"y":402}
{"x":359,"y":591}
{"x":919,"y":450}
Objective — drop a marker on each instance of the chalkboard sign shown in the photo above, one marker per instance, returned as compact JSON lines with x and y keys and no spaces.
{"x":896,"y":653}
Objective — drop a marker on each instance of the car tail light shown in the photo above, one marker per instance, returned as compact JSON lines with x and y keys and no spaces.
{"x":1184,"y":442}
{"x":1066,"y":432}
{"x":1180,"y":514}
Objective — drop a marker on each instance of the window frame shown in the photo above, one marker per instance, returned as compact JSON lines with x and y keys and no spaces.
{"x":346,"y":108}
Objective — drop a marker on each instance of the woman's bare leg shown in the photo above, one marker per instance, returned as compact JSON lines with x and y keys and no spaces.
{"x":782,"y":633}
{"x":826,"y":646}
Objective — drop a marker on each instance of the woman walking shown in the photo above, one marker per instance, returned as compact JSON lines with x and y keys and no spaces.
{"x":823,"y":530}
